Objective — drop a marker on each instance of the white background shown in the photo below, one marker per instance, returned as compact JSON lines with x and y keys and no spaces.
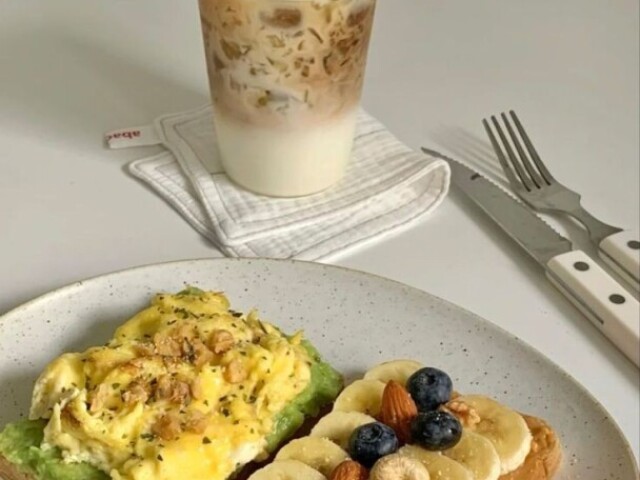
{"x":73,"y":69}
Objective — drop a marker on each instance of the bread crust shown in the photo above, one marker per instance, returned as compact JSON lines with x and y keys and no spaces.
{"x":9,"y":471}
{"x":542,"y":463}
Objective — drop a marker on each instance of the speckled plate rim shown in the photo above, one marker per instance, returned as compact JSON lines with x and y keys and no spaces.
{"x":86,"y":283}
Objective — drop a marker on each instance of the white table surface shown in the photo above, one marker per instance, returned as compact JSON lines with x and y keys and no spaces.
{"x":73,"y":69}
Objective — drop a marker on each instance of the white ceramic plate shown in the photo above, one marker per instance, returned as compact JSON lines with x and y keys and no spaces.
{"x":355,"y":319}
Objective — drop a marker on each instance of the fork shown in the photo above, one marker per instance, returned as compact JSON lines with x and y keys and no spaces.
{"x":534,"y":184}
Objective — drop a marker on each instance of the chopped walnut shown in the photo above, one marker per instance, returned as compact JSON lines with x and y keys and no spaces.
{"x":139,"y":362}
{"x":181,"y":393}
{"x":145,"y":349}
{"x":201,"y":354}
{"x":97,"y":397}
{"x":196,"y":422}
{"x":174,"y":390}
{"x":130,"y":368}
{"x":136,"y":392}
{"x":467,"y":415}
{"x":163,"y":387}
{"x":167,"y":427}
{"x":196,"y":389}
{"x":171,"y":363}
{"x":187,"y":349}
{"x":221,"y":341}
{"x":184,"y":331}
{"x":235,"y":372}
{"x":166,"y":346}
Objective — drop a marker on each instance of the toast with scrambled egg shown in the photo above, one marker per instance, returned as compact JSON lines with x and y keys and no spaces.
{"x":186,"y":389}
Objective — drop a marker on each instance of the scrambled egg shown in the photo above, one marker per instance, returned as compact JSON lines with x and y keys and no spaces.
{"x":185,"y":389}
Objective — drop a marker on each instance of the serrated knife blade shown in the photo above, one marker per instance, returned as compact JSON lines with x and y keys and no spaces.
{"x":592,"y":290}
{"x":536,"y":237}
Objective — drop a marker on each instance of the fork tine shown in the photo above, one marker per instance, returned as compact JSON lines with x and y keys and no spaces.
{"x":533,"y":173}
{"x":513,"y":180}
{"x":524,"y":178}
{"x":546,"y":175}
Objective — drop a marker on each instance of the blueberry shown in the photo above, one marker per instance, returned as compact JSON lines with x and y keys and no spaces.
{"x":372,"y":441}
{"x":429,"y":388}
{"x":436,"y":430}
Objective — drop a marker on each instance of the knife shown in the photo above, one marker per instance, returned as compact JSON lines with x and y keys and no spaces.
{"x":592,"y":290}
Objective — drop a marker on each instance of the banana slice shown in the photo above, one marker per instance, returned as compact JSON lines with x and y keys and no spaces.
{"x":399,"y":467}
{"x":287,"y":470}
{"x":338,"y":426}
{"x":363,"y":396}
{"x":319,"y":453}
{"x":438,"y":466}
{"x":478,"y":454}
{"x":398,"y":370}
{"x":505,"y":428}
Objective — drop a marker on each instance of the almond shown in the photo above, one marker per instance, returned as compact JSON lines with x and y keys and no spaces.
{"x":398,"y":410}
{"x":349,"y":470}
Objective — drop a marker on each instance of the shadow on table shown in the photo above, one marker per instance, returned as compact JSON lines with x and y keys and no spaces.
{"x":478,"y":154}
{"x":71,"y":90}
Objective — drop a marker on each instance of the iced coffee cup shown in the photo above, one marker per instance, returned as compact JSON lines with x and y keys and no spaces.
{"x":286,"y":78}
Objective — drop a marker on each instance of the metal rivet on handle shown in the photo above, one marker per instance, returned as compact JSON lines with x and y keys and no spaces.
{"x":581,"y":266}
{"x":634,"y":244}
{"x":617,"y":299}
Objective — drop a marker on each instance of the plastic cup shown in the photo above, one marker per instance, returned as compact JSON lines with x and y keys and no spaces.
{"x":286,"y":79}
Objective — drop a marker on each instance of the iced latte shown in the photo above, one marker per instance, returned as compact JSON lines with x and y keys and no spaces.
{"x":285,"y":79}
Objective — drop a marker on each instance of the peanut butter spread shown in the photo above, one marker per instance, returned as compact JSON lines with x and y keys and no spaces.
{"x":545,"y":456}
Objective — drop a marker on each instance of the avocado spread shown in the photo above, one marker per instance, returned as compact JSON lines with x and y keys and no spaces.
{"x":20,"y":441}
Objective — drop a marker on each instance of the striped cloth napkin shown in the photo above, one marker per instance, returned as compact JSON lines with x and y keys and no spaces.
{"x":387,"y":186}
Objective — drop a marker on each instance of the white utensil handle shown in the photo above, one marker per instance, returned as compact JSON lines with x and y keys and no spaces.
{"x":621,"y":251}
{"x":610,"y":307}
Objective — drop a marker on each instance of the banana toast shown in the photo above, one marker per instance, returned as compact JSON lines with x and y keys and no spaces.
{"x":403,"y":420}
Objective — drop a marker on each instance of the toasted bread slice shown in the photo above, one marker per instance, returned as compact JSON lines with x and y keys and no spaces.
{"x":9,"y":471}
{"x":545,"y":456}
{"x":542,"y":463}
